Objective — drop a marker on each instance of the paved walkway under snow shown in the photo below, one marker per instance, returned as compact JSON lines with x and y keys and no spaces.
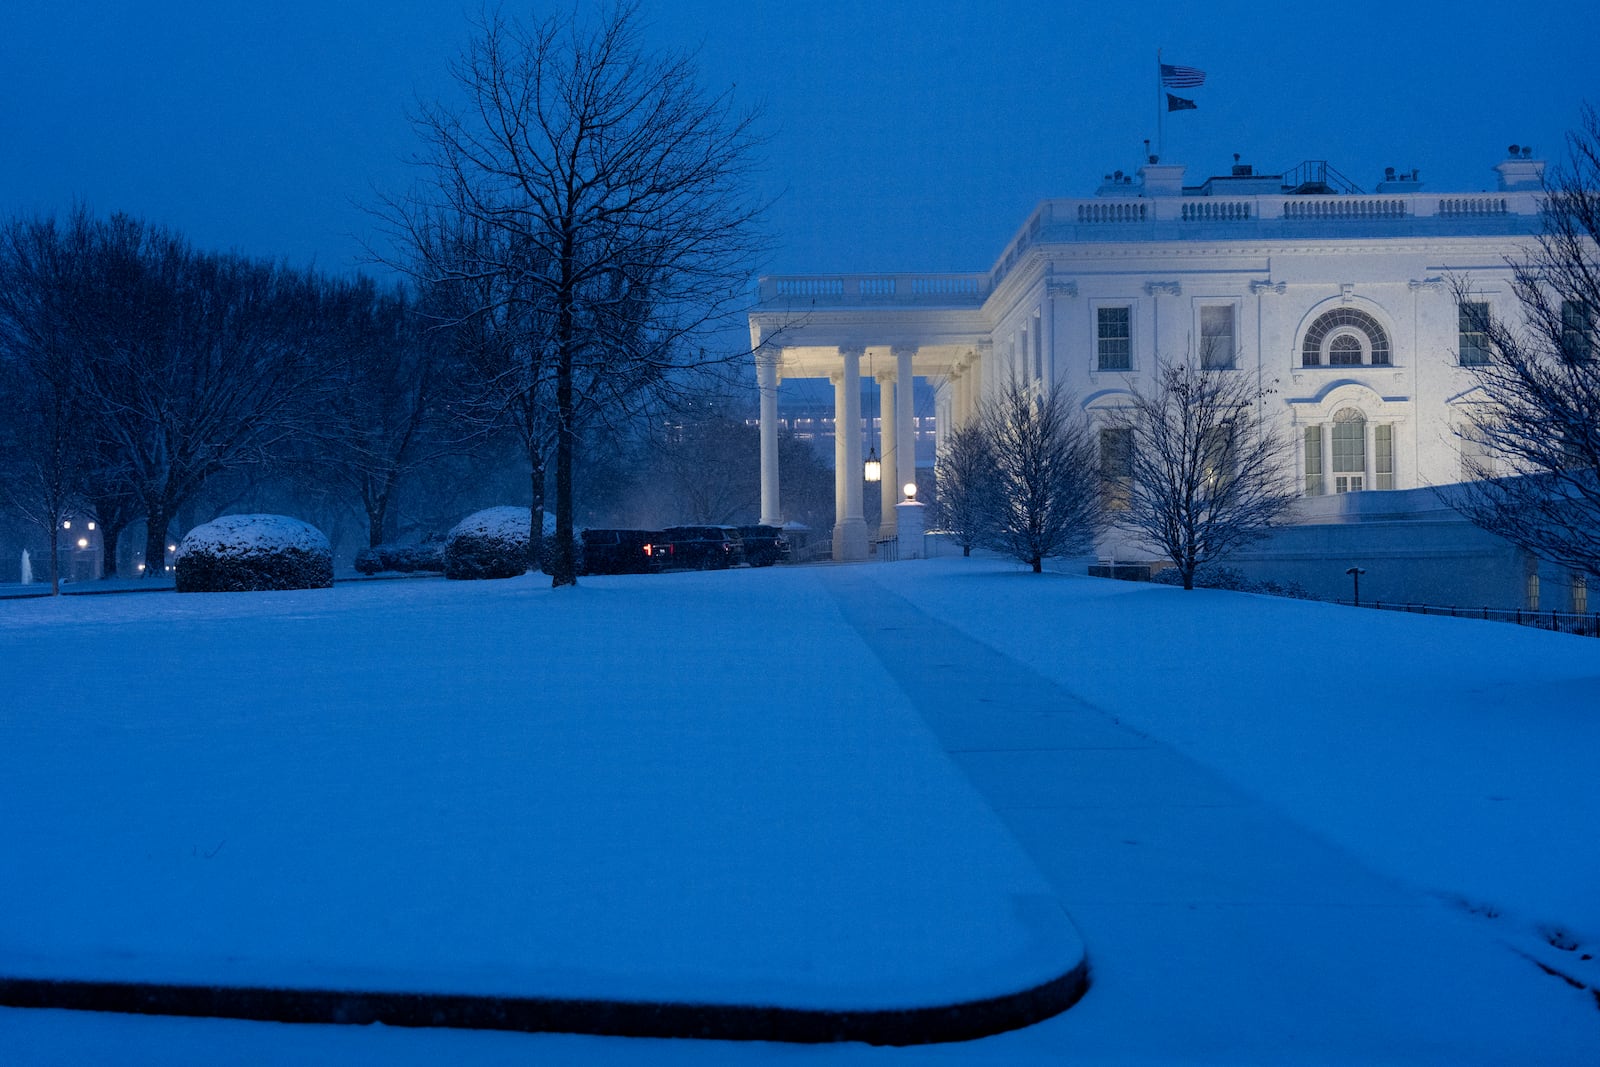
{"x":1217,"y":930}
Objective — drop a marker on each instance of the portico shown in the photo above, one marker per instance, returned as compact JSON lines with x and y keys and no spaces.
{"x":843,"y":356}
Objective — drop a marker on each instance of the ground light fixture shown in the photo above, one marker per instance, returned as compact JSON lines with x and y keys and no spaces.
{"x":1355,"y":574}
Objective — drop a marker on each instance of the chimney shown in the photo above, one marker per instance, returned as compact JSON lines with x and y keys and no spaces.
{"x":1520,"y":171}
{"x":1162,"y":179}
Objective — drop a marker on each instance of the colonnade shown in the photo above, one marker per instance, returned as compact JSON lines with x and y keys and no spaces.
{"x":899,"y":455}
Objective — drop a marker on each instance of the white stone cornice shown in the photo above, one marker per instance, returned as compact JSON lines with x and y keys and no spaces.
{"x":1259,"y":286}
{"x":1170,"y":288}
{"x":1431,"y":285}
{"x":1061,"y":288}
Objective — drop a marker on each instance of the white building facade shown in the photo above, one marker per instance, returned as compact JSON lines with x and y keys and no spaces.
{"x":1342,"y":303}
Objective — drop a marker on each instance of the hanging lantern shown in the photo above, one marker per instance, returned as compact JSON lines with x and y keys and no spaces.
{"x":874,"y":468}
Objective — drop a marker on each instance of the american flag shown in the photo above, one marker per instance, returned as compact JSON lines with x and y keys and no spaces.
{"x":1181,"y":77}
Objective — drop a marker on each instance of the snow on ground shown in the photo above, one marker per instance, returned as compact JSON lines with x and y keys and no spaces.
{"x":496,"y":788}
{"x":1455,"y":754}
{"x":1257,"y":914}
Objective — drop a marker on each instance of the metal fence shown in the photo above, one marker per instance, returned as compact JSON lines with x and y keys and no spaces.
{"x":1584,"y":624}
{"x":887,"y":550}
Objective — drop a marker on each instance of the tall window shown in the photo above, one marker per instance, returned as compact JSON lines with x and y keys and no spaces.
{"x":1216,"y":337}
{"x":1216,"y":457}
{"x":1472,"y":333}
{"x":1577,"y":331}
{"x":1383,"y":456}
{"x":1116,"y":466}
{"x":1345,"y":337}
{"x":1477,"y":458}
{"x":1115,"y":338}
{"x":1349,"y":452}
{"x":1313,"y":461}
{"x":1580,"y":592}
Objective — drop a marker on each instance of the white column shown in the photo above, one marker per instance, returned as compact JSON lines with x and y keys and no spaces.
{"x":767,"y":383}
{"x":960,"y":380}
{"x":888,"y":494}
{"x":905,"y":445}
{"x":975,"y":386}
{"x":837,"y":378}
{"x":850,"y":525}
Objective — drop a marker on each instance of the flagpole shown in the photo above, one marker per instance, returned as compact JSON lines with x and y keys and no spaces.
{"x":1161,"y":125}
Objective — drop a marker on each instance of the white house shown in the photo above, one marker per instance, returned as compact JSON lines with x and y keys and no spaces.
{"x":1339,"y":300}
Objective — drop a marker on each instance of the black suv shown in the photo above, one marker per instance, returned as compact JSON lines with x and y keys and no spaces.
{"x":763,"y":545}
{"x":618,"y":551}
{"x":693,"y":548}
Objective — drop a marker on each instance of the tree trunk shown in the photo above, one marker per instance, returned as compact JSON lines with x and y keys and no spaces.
{"x":157,"y":516}
{"x":1038,"y":565}
{"x":535,"y":511}
{"x":966,"y":550}
{"x":109,"y":536}
{"x":563,"y":568}
{"x":55,"y":555}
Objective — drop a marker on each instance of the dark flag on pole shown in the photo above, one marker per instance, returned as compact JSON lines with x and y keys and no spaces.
{"x":1181,"y":77}
{"x":1178,"y":103}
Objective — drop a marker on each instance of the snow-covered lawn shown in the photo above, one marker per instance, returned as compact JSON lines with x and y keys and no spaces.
{"x":1458,"y":755}
{"x":710,"y":786}
{"x":646,"y":790}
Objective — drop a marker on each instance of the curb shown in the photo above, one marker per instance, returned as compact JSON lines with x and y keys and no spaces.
{"x":607,"y":1018}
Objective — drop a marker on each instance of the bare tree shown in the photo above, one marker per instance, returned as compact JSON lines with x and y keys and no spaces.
{"x":966,"y":478}
{"x":380,"y":422}
{"x":1204,"y":475}
{"x":617,"y":185}
{"x":1538,"y":447}
{"x":498,"y":341}
{"x":704,"y":467}
{"x":44,"y":438}
{"x":1047,"y":489}
{"x":194,"y":363}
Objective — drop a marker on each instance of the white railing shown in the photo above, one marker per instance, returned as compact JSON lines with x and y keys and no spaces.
{"x":845,"y":289}
{"x":1204,"y":209}
{"x":1153,"y":218}
{"x":804,"y":286}
{"x":1473,"y":206}
{"x":1114,"y":211}
{"x":1344,"y":208}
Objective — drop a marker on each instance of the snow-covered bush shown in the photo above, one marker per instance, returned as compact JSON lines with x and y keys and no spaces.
{"x":242,"y":553}
{"x":488,"y":544}
{"x":407,"y":559}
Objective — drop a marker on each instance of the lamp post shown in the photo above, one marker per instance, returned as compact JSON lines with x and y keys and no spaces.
{"x":1355,"y":574}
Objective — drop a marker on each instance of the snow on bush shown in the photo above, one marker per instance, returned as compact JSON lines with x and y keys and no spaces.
{"x":243,"y":553}
{"x":492,"y":543}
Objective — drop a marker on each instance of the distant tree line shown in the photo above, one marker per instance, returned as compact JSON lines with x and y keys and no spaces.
{"x":150,"y":384}
{"x":580,"y":226}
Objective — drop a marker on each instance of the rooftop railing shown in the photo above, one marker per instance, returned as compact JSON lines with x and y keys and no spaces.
{"x":959,"y":290}
{"x":1174,"y":218}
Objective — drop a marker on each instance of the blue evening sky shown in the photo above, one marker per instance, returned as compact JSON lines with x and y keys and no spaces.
{"x":904,"y":136}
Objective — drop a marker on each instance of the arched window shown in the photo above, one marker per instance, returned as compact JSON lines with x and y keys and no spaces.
{"x":1345,"y":337}
{"x":1349,"y":451}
